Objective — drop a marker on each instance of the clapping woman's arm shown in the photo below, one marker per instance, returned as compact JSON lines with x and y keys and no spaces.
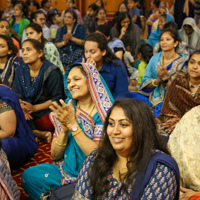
{"x":67,"y":119}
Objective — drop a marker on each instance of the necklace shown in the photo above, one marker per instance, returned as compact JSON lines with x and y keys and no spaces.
{"x":168,"y":62}
{"x":91,"y":109}
{"x":194,"y":86}
{"x":121,"y":174}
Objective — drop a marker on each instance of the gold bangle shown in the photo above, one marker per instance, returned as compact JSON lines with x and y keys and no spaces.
{"x":77,"y":133}
{"x":153,"y":83}
{"x":61,"y":145}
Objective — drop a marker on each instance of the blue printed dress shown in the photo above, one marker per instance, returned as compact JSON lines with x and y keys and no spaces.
{"x":162,"y":184}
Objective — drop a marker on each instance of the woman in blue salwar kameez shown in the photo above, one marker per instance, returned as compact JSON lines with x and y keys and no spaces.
{"x":69,"y":38}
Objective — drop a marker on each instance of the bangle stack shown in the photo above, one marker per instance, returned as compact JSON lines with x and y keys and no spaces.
{"x":61,"y":145}
{"x":153,"y":83}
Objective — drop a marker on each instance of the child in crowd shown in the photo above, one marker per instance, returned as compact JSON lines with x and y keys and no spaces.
{"x":100,"y":3}
{"x":145,"y":52}
{"x":34,"y":6}
{"x":55,"y":20}
{"x":134,"y":11}
{"x":8,"y":12}
{"x":128,"y":58}
{"x":90,"y":16}
{"x":20,"y":21}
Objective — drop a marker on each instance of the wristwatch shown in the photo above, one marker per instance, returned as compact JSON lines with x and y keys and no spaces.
{"x":74,"y":128}
{"x":165,"y":81}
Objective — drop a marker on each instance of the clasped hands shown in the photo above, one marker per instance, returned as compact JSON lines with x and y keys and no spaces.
{"x":170,"y":124}
{"x":27,"y":108}
{"x":67,"y":37}
{"x":65,"y":114}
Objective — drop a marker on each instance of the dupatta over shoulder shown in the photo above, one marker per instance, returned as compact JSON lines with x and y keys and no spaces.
{"x":92,"y":126}
{"x":157,"y":95}
{"x":23,"y":139}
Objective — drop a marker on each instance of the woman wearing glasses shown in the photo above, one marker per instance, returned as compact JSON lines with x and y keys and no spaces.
{"x":69,"y":38}
{"x":125,"y":28}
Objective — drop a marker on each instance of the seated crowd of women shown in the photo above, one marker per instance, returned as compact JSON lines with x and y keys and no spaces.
{"x":121,"y":128}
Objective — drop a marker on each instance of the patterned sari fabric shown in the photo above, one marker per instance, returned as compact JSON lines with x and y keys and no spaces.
{"x":184,"y":147}
{"x":7,"y":75}
{"x":71,"y":51}
{"x":154,"y":97}
{"x":182,"y":102}
{"x":52,"y":55}
{"x":158,"y":94}
{"x":53,"y":176}
{"x":8,"y":187}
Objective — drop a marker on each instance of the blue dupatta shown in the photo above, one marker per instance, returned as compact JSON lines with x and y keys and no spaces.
{"x":24,"y":139}
{"x":91,"y":126}
{"x":157,"y":157}
{"x":22,"y":82}
{"x":155,"y":35}
{"x":157,"y":95}
{"x":8,"y":73}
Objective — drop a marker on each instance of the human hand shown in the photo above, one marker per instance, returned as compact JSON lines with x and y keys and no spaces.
{"x":28,"y":116}
{"x":123,"y":31}
{"x":70,"y":36}
{"x":65,"y":39}
{"x":65,"y":114}
{"x":25,"y":110}
{"x":170,"y":124}
{"x":29,"y":107}
{"x":185,"y":193}
{"x":161,"y":72}
{"x":91,"y":61}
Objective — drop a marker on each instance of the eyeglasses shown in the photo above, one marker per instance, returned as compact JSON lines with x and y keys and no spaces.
{"x":68,"y":17}
{"x":42,"y":19}
{"x":122,"y":8}
{"x":126,"y":22}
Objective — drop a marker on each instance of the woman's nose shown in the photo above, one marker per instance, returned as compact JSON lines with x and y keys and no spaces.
{"x":116,"y":129}
{"x":72,"y":83}
{"x":88,"y":55}
{"x":195,"y":66}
